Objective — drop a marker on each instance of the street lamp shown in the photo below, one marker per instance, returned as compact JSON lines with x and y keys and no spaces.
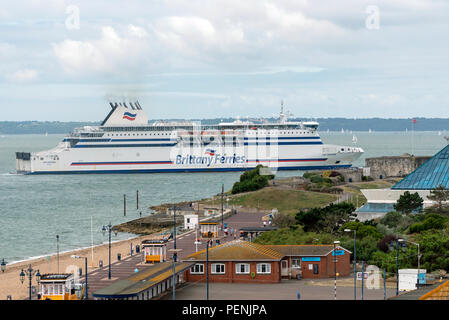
{"x":335,"y":269}
{"x":85,"y":274}
{"x":175,"y":253}
{"x":30,"y":273}
{"x":108,"y":229}
{"x":174,"y":232}
{"x":3,"y":265}
{"x":397,"y":262}
{"x":207,"y":269}
{"x":222,"y":192}
{"x":354,"y":262}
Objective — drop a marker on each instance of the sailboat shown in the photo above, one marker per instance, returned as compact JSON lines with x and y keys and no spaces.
{"x":370,"y":131}
{"x":342,"y":130}
{"x":354,"y":139}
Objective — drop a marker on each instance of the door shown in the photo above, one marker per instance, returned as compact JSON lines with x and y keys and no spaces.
{"x":284,"y":268}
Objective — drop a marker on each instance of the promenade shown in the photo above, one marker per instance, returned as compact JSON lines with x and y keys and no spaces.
{"x":98,"y":279}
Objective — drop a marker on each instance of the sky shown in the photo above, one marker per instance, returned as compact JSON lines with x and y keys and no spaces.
{"x":65,"y":60}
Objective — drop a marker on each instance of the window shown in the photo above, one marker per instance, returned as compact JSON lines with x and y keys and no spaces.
{"x":197,"y":269}
{"x":242,"y":268}
{"x":296,"y":263}
{"x":263,"y":268}
{"x":218,"y":268}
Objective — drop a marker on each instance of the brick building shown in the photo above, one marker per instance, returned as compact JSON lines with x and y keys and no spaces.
{"x":243,"y":261}
{"x":236,"y":261}
{"x":312,"y":261}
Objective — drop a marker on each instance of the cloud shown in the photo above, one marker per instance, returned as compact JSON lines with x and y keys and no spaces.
{"x":22,"y":76}
{"x":111,"y":54}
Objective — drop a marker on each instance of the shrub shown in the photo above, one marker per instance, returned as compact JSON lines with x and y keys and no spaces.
{"x":431,"y":221}
{"x":391,"y":219}
{"x":251,"y":181}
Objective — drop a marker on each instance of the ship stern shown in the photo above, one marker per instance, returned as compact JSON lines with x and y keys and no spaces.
{"x":23,"y":162}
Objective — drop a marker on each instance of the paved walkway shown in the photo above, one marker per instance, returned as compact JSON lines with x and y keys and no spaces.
{"x":285,"y":290}
{"x":98,"y":279}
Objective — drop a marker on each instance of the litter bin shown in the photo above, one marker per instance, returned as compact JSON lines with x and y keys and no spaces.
{"x":100,"y":263}
{"x":119,"y":256}
{"x":137,"y":248}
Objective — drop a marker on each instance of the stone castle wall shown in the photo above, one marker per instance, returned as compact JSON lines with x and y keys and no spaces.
{"x":396,"y":166}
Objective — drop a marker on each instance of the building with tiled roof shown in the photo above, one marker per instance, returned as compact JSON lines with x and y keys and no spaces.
{"x":147,"y":284}
{"x":243,"y":261}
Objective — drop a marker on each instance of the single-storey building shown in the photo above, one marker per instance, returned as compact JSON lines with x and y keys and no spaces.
{"x":313,"y":261}
{"x":243,"y":261}
{"x":235,"y":261}
{"x":190,"y":221}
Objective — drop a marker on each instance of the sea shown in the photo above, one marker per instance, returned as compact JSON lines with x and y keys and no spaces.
{"x":35,"y":209}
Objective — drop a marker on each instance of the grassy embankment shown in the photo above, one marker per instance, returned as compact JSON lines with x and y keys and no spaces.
{"x":288,"y":201}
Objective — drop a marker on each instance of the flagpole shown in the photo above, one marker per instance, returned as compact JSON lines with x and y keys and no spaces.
{"x":413,"y":136}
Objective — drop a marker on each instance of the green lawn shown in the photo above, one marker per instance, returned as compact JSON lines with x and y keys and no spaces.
{"x":285,"y":200}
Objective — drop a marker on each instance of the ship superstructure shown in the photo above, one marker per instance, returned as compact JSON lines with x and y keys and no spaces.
{"x":126,"y":143}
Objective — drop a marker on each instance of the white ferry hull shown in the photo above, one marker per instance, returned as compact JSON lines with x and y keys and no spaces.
{"x":158,"y":159}
{"x":125,"y":143}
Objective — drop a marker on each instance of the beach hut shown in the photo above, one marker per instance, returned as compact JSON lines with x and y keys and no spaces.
{"x":154,"y":251}
{"x":58,"y":286}
{"x":209,"y":229}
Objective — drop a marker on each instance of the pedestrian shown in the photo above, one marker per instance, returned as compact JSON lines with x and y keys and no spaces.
{"x":264,"y":223}
{"x":226,"y":232}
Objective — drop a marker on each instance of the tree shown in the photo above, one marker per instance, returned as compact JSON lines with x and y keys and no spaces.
{"x":408,"y":202}
{"x":328,"y":219}
{"x":439,"y":195}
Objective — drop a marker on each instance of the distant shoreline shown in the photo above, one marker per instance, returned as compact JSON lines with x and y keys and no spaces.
{"x":331,"y":124}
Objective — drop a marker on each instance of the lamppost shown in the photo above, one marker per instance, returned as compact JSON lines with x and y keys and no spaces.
{"x":397,"y":262}
{"x":30,"y":273}
{"x":207,"y":269}
{"x":108,"y":229}
{"x":174,"y":233}
{"x":3,"y":265}
{"x":85,"y":274}
{"x":175,"y":253}
{"x":222,"y":192}
{"x":57,"y":249}
{"x":335,"y":269}
{"x":354,"y":262}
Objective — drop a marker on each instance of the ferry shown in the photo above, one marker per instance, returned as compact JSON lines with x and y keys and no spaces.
{"x":125,"y":142}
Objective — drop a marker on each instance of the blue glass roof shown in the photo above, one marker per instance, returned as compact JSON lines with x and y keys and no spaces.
{"x":433,"y":173}
{"x":376,"y":207}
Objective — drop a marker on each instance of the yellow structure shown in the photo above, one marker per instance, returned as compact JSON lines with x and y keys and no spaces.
{"x":58,"y":286}
{"x":154,"y":251}
{"x":208,"y":229}
{"x":439,"y":293}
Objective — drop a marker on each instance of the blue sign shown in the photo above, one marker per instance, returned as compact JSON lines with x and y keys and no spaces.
{"x":422,"y":278}
{"x":311,"y":259}
{"x":338,"y":252}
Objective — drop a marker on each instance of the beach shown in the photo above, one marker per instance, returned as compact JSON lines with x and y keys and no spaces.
{"x":10,"y":279}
